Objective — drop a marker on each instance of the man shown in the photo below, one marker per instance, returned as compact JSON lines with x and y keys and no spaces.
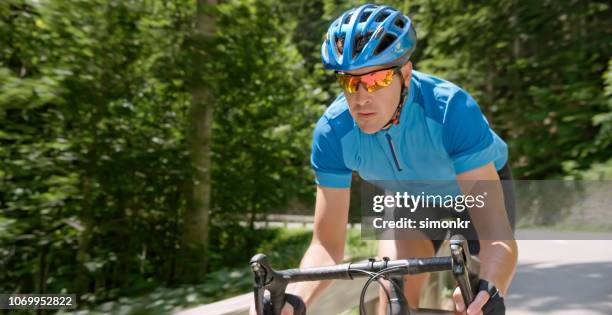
{"x":393,"y":123}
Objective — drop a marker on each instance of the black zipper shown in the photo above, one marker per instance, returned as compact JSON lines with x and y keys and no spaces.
{"x":392,"y":147}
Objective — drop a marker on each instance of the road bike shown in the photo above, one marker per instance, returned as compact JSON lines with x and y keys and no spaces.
{"x":463,"y":266}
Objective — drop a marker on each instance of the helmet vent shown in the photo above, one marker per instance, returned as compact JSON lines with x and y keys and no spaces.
{"x":386,"y":41}
{"x":339,"y":45}
{"x":382,"y":16}
{"x":360,"y":42}
{"x":399,"y":22}
{"x":348,"y":18}
{"x":365,"y":16}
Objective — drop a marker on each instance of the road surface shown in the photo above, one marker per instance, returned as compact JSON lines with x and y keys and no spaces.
{"x":562,"y":277}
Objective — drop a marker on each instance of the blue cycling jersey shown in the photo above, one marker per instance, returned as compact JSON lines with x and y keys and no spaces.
{"x":441,"y":133}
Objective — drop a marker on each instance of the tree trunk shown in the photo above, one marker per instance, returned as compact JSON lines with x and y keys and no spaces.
{"x":197,"y":215}
{"x":43,"y":263}
{"x":175,"y":205}
{"x":86,"y":213}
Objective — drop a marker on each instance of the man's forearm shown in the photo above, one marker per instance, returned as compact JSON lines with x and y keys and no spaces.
{"x":316,"y":256}
{"x":498,"y":262}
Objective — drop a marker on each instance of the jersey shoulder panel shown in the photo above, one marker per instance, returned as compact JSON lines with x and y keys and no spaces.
{"x":338,"y":117}
{"x":434,"y":95}
{"x":327,"y":158}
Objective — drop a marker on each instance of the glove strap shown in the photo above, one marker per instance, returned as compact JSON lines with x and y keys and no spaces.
{"x":495,"y":305}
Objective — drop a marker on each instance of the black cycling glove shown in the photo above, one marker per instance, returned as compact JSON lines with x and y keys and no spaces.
{"x":495,"y":305}
{"x":299,"y":308}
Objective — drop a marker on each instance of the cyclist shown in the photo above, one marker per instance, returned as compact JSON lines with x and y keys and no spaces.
{"x":395,"y":123}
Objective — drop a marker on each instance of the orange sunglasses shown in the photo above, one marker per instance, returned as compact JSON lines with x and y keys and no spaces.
{"x":373,"y":81}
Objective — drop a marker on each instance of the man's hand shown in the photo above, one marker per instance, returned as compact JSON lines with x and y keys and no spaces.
{"x":475,"y":308}
{"x":488,"y":301}
{"x":293,"y":305}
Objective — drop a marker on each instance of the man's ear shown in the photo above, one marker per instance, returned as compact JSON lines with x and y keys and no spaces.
{"x":407,"y":73}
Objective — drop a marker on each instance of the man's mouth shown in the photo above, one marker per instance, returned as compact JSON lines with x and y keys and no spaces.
{"x":366,"y":114}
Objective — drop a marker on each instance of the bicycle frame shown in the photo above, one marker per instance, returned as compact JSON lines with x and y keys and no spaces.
{"x":464,"y":268}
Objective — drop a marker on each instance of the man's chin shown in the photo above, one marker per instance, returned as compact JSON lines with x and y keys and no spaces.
{"x":368,"y":128}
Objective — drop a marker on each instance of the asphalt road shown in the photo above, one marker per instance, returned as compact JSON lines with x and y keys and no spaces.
{"x":562,"y":277}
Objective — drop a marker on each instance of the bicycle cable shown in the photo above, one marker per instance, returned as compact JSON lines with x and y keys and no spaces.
{"x":375,"y":277}
{"x":362,"y":296}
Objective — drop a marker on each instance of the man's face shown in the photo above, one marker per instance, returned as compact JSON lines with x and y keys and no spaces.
{"x":372,"y":111}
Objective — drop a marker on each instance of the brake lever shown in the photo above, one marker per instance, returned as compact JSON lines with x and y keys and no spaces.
{"x":258,"y":267}
{"x":267,"y":278}
{"x":460,"y":254}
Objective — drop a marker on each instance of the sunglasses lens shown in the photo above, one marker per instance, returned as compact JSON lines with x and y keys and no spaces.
{"x":377,"y":80}
{"x":348,"y":82}
{"x":373,"y":81}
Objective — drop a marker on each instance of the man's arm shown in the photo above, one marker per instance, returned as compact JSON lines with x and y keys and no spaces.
{"x":498,"y":249}
{"x":328,"y":239}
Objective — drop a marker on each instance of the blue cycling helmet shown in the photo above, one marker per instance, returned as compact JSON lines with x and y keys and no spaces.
{"x":369,"y":35}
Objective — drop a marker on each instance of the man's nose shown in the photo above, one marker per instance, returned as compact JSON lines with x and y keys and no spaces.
{"x":362,"y":94}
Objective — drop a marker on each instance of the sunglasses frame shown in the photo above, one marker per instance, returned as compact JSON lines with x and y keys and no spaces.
{"x":396,"y":69}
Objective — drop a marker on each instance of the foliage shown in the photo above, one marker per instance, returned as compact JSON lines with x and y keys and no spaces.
{"x":603,"y":140}
{"x":266,"y":110}
{"x":94,"y":118}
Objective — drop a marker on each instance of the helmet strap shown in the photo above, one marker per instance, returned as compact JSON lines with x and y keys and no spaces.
{"x":395,"y":119}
